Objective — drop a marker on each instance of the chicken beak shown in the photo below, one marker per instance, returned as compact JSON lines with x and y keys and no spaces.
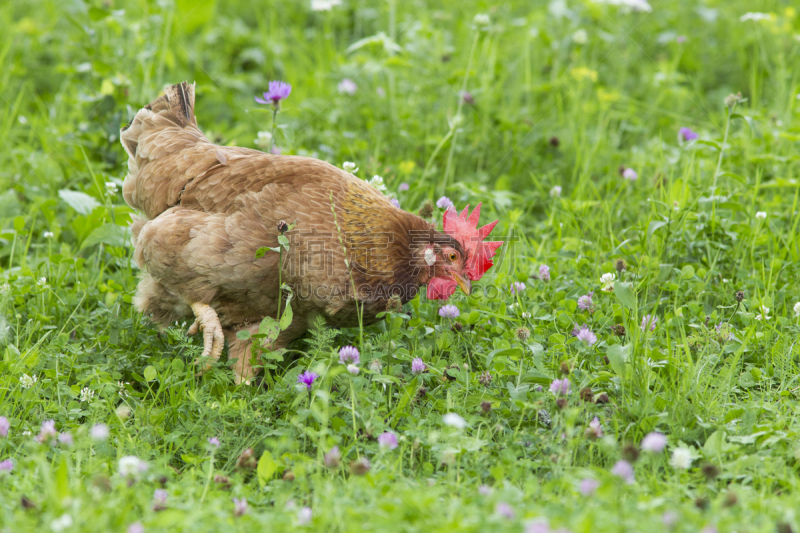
{"x":463,"y":283}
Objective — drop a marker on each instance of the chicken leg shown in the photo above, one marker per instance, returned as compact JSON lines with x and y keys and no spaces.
{"x":242,"y":351}
{"x":207,"y":321}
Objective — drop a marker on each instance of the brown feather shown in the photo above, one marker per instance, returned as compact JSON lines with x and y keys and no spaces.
{"x":208,"y":209}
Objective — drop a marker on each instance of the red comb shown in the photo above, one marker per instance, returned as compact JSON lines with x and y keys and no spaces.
{"x":465,"y":229}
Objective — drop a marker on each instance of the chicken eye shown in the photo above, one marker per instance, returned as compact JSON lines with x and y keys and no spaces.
{"x":453,"y":256}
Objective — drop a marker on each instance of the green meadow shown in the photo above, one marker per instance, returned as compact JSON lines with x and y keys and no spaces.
{"x":629,"y":364}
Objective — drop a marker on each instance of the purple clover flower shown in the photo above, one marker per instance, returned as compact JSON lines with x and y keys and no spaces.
{"x":395,"y":202}
{"x":307,"y":378}
{"x":560,"y":387}
{"x":467,"y":97}
{"x":585,"y":302}
{"x":417,"y":366}
{"x":623,"y":469}
{"x":160,"y":500}
{"x":347,"y":86}
{"x":349,"y":355}
{"x":544,"y":272}
{"x":588,"y":486}
{"x":136,"y":527}
{"x":388,"y":440}
{"x":47,"y":432}
{"x":99,"y":432}
{"x":66,"y":439}
{"x":654,"y":442}
{"x":687,"y":134}
{"x":537,"y":526}
{"x":595,"y":430}
{"x":403,"y":187}
{"x":505,"y":510}
{"x":239,"y":506}
{"x":517,"y":287}
{"x":585,"y":334}
{"x":333,"y":457}
{"x":7,"y":465}
{"x":449,"y":311}
{"x":278,"y":90}
{"x":649,"y":321}
{"x":444,"y":202}
{"x":669,"y":519}
{"x":630,"y":174}
{"x":304,"y":516}
{"x":214,"y":441}
{"x":5,"y":425}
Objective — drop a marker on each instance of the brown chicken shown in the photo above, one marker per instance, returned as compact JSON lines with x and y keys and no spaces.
{"x":208,"y":209}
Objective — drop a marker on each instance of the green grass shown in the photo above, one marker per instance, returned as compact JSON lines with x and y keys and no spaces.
{"x":73,"y":73}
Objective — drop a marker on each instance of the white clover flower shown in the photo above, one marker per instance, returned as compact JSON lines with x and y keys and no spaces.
{"x":454,"y":420}
{"x":350,"y":167}
{"x":632,"y":5}
{"x":61,"y":523}
{"x":580,"y":36}
{"x":755,"y":17}
{"x":481,"y":19}
{"x":123,"y":412}
{"x":526,"y":315}
{"x":640,"y":5}
{"x":681,"y":458}
{"x":797,"y":309}
{"x":353,"y":369}
{"x":130,"y":465}
{"x":41,"y":281}
{"x":761,"y":215}
{"x":763,"y":315}
{"x":324,"y":5}
{"x":377,"y":182}
{"x":555,"y":192}
{"x":47,"y":234}
{"x":607,"y":280}
{"x":264,"y":138}
{"x":28,"y":381}
{"x":86,"y":394}
{"x":122,"y":390}
{"x":111,"y":188}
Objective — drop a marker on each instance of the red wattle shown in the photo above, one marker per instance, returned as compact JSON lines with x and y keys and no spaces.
{"x":441,"y":288}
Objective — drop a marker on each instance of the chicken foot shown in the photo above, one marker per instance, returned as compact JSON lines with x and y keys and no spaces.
{"x":207,"y":321}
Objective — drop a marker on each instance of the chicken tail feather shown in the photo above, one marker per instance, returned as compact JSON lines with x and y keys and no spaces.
{"x":161,"y":128}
